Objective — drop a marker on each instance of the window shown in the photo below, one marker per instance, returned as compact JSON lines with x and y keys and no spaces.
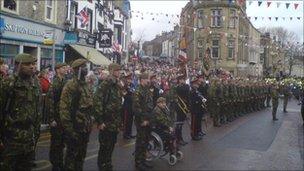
{"x":8,"y":52}
{"x":200,"y":43}
{"x":10,"y":5}
{"x":215,"y":48}
{"x":232,"y":19}
{"x":46,"y":57}
{"x":216,"y":18}
{"x":200,"y":19}
{"x":231,"y":47}
{"x":50,"y":10}
{"x":74,"y":9}
{"x":201,"y":54}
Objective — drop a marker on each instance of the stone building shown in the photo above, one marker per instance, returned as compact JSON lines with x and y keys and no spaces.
{"x":28,"y":27}
{"x":221,"y":27}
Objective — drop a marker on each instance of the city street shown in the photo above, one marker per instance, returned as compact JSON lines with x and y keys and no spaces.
{"x":252,"y":142}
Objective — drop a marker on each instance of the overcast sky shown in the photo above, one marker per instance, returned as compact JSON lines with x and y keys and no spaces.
{"x":144,"y":26}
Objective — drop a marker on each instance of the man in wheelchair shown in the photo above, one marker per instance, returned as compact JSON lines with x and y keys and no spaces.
{"x":162,"y":124}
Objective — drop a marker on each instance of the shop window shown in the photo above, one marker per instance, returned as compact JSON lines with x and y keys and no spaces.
{"x":216,"y":16}
{"x":215,"y":48}
{"x":59,"y":56}
{"x":8,"y":53}
{"x":10,"y":5}
{"x":200,"y":19}
{"x":231,"y":49}
{"x":232,"y":19}
{"x":46,"y":57}
{"x":200,"y":43}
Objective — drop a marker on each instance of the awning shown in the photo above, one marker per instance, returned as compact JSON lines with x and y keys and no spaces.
{"x":92,"y":55}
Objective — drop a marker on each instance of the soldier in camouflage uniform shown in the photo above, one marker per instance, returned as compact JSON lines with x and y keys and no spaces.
{"x":142,"y":107}
{"x":275,"y":100}
{"x":286,"y":92}
{"x":57,"y":145}
{"x":21,"y":114}
{"x":76,"y":106}
{"x":213,"y":102}
{"x":108,"y":107}
{"x":163,"y":123}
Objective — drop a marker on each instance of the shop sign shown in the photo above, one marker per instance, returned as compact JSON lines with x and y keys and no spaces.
{"x":86,"y":38}
{"x":48,"y":38}
{"x":105,"y":38}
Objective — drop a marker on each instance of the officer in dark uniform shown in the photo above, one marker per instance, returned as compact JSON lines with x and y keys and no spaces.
{"x":127,"y":107}
{"x":196,"y":110}
{"x":182,"y":107}
{"x":203,"y":89}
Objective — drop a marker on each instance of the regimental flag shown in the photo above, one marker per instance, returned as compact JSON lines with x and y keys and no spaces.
{"x":117,"y":47}
{"x":182,"y":56}
{"x":83,"y":17}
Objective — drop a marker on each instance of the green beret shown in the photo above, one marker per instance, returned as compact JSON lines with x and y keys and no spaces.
{"x":60,"y":65}
{"x":114,"y":66}
{"x":144,"y":76}
{"x":160,"y":100}
{"x":25,"y":58}
{"x":78,"y":63}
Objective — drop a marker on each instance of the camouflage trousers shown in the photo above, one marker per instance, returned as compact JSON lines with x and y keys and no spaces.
{"x":285,"y":102}
{"x":142,"y":139}
{"x":107,"y":141}
{"x":16,"y":159}
{"x":76,"y":151}
{"x":56,"y":148}
{"x":275,"y":104}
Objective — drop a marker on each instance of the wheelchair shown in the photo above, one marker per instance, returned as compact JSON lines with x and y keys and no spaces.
{"x":158,"y":148}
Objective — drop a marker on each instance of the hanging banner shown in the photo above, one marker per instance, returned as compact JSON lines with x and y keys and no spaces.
{"x":105,"y":38}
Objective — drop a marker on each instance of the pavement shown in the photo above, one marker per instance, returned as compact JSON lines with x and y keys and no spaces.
{"x":251,"y":142}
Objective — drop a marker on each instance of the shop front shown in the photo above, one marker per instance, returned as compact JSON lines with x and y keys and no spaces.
{"x":20,"y":35}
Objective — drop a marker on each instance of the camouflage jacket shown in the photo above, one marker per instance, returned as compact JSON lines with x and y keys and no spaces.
{"x":161,"y":118}
{"x":75,"y":108}
{"x":54,"y":97}
{"x":275,"y":94}
{"x":108,"y":104}
{"x":142,"y":104}
{"x":20,"y":109}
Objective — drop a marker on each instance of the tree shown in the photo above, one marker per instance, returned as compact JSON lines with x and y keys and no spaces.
{"x":288,"y":40}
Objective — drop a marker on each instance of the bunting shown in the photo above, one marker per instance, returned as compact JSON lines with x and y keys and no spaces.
{"x":287,"y":5}
{"x":278,"y":4}
{"x":296,"y":6}
{"x":268,"y":4}
{"x":259,"y":3}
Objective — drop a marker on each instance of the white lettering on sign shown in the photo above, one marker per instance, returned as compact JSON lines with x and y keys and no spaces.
{"x":22,"y":30}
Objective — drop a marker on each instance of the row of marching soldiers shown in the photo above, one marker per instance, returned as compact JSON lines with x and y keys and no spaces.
{"x":230,"y":99}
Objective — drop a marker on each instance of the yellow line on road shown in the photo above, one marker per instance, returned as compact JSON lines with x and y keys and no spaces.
{"x":46,"y":164}
{"x":129,"y":144}
{"x":91,"y":157}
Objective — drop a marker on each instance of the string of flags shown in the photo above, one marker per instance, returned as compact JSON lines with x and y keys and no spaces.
{"x":270,"y":18}
{"x":288,"y":5}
